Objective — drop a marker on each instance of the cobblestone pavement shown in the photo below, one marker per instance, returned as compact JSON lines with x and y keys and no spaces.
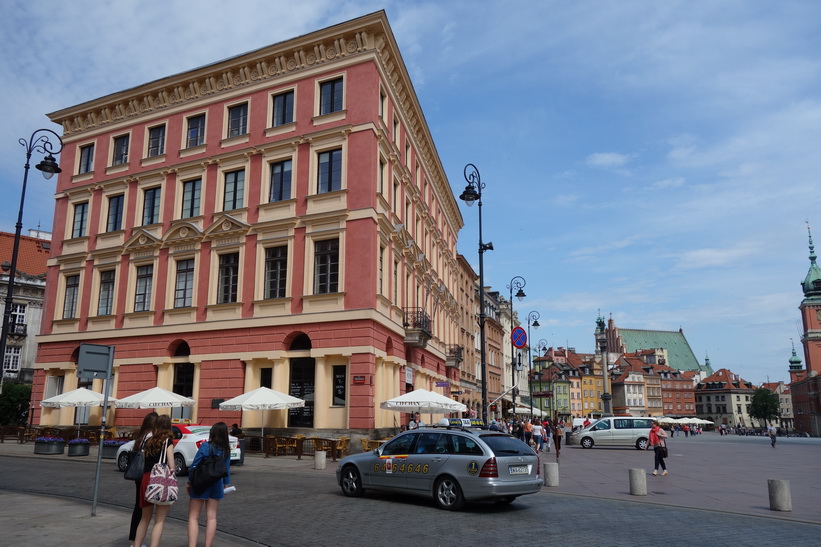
{"x":282,"y":501}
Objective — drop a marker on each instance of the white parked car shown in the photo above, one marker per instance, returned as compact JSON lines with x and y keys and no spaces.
{"x":187,"y":440}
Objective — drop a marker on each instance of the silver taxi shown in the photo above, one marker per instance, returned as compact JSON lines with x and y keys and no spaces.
{"x":453,"y":465}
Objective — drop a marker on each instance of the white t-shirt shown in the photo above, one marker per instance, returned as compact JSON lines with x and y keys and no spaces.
{"x":538,"y":430}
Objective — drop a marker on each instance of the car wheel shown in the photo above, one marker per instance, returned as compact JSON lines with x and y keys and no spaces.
{"x":587,"y":442}
{"x":179,"y":465}
{"x":122,"y":461}
{"x":507,"y":500}
{"x":448,"y":494}
{"x":351,"y":482}
{"x":641,"y":444}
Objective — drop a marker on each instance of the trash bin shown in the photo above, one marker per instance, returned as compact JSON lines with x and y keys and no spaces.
{"x":241,"y":452}
{"x":567,"y":435}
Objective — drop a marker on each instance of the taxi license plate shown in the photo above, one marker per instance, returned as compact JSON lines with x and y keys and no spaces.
{"x":235,"y":454}
{"x":518,"y":470}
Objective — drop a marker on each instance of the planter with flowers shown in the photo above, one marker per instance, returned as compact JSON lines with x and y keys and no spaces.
{"x":78,"y":447}
{"x":111,"y":446}
{"x":49,"y":445}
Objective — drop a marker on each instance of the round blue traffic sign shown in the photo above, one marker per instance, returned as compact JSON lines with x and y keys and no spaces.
{"x":519,"y":337}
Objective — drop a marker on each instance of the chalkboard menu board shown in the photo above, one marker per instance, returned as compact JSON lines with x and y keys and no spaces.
{"x":340,"y":374}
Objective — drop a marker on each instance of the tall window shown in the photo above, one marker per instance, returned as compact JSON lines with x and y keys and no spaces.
{"x":381,"y":279}
{"x":156,"y":141}
{"x":78,"y":229}
{"x":276,"y":271}
{"x":191,"y":190}
{"x":105,"y":305}
{"x":86,"y":159}
{"x":330,"y":96}
{"x":326,"y":266}
{"x":280,"y":181}
{"x":396,"y":283}
{"x":72,"y":292}
{"x":184,"y":291}
{"x":234,"y":189}
{"x":183,"y":385}
{"x":238,"y":120}
{"x":120,"y":155}
{"x":228,"y":278}
{"x":196,"y":131}
{"x":114,"y":221}
{"x":329,"y":175}
{"x":151,"y":206}
{"x":283,"y":108}
{"x":18,"y":317}
{"x":142,"y":294}
{"x":11,"y":361}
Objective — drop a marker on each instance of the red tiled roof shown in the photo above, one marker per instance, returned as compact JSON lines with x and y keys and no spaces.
{"x":32,"y":255}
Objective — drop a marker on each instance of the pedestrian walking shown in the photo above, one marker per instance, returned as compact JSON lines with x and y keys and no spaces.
{"x":772,"y":431}
{"x":217,"y":445}
{"x":658,"y":440}
{"x":538,"y":436}
{"x":139,"y":442}
{"x":159,"y":441}
{"x":528,"y":432}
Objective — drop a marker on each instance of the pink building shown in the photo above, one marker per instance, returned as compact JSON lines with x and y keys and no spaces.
{"x":280,"y":218}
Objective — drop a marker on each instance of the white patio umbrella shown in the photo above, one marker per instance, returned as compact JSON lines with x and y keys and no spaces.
{"x":156,"y":397}
{"x":77,"y":397}
{"x":422,"y":400}
{"x":262,"y":398}
{"x":666,"y":420}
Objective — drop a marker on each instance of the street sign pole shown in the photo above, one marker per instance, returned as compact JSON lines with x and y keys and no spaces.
{"x":97,"y":361}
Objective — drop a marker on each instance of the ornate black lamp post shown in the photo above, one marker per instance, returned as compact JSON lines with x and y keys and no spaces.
{"x":532,"y":319}
{"x":49,"y":167}
{"x":517,"y":283}
{"x":473,"y":193}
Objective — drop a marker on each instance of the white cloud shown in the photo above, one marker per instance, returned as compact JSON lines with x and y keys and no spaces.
{"x":607,"y":160}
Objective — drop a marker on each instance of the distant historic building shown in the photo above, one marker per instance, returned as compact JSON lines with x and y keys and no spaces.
{"x":805,"y":383}
{"x":280,"y":218}
{"x":725,"y":398}
{"x":782,"y":391}
{"x":27,"y":310}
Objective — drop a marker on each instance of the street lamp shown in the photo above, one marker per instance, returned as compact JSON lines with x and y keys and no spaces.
{"x":517,"y":283}
{"x":49,"y":167}
{"x":471,"y":194}
{"x":532,"y":319}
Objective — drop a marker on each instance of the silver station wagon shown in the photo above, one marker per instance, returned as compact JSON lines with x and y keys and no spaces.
{"x":453,"y":465}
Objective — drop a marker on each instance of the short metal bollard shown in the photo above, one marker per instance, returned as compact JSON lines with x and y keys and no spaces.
{"x":780,"y":499}
{"x":551,"y":474}
{"x":320,"y":456}
{"x":638,"y":482}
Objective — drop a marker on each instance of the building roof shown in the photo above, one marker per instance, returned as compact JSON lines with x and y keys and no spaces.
{"x":725,"y":380}
{"x":32,"y":255}
{"x":679,"y":354}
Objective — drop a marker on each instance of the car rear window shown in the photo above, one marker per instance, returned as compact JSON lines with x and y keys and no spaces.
{"x":503,"y":445}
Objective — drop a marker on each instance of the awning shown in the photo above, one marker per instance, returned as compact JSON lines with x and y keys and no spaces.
{"x":526,"y":410}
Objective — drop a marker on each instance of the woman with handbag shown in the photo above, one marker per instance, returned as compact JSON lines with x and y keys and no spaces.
{"x":659,"y":443}
{"x":158,"y":449}
{"x":209,"y":459}
{"x":139,"y":440}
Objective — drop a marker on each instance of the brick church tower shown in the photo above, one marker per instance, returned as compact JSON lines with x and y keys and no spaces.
{"x":805,"y":386}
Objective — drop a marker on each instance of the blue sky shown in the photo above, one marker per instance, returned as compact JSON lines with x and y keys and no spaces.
{"x":656,"y":161}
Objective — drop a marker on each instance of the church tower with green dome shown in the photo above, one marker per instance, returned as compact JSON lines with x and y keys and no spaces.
{"x":811,"y":313}
{"x":805,"y":386}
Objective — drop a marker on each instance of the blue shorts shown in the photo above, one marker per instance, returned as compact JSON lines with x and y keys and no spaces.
{"x":214,"y":492}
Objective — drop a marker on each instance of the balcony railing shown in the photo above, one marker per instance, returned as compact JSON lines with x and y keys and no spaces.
{"x":455,"y":355}
{"x":418,"y":329}
{"x":18,"y":329}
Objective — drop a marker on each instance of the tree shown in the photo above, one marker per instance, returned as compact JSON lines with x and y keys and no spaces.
{"x":764,"y":406}
{"x":14,"y":403}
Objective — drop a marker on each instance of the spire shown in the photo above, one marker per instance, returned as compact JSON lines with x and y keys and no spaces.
{"x":812,"y":283}
{"x":795,"y":360}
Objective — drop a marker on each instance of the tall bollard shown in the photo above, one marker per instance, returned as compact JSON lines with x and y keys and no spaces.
{"x":551,"y":474}
{"x":638,"y":482}
{"x":780,"y":499}
{"x":319,"y":459}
